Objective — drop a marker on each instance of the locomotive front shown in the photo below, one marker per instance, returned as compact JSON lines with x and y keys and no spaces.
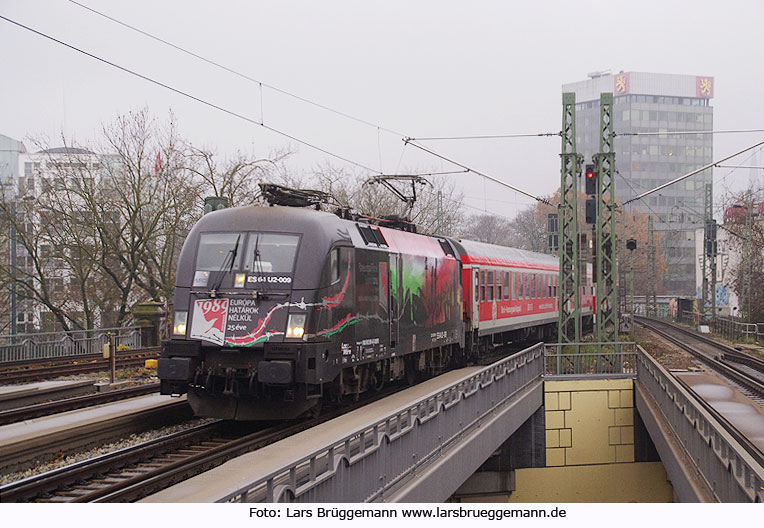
{"x":250,"y":284}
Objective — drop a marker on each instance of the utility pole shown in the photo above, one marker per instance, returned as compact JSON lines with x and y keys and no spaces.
{"x":568,"y":308}
{"x":606,"y":323}
{"x":745,"y":304}
{"x":708,"y":289}
{"x":651,"y":304}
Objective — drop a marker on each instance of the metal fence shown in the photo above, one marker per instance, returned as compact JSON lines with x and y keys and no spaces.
{"x":22,"y":347}
{"x":590,"y":360}
{"x":731,"y":328}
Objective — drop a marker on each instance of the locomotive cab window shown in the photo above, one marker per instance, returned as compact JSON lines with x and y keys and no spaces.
{"x":270,"y":253}
{"x":216,"y":250}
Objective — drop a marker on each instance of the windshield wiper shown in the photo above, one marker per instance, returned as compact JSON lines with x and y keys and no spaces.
{"x":227,"y":263}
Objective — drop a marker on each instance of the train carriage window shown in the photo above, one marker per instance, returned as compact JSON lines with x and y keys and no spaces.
{"x":519,"y":277}
{"x":477,"y":288}
{"x":490,"y":286}
{"x":533,"y":285}
{"x":542,"y":286}
{"x":482,"y":285}
{"x":527,"y":282}
{"x":506,"y":285}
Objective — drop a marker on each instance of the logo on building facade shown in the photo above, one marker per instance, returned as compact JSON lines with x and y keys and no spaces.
{"x":704,"y":87}
{"x":621,"y":84}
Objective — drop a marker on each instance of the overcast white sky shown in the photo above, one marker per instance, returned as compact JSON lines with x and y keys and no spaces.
{"x":420,"y":68}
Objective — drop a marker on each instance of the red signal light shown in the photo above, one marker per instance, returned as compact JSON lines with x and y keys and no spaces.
{"x":589,"y":174}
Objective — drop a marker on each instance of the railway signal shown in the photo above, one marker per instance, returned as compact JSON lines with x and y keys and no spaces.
{"x":591,"y":210}
{"x":590,"y":179}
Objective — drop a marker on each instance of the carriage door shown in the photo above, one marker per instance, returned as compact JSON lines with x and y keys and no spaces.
{"x":394,"y":279}
{"x":475,"y":298}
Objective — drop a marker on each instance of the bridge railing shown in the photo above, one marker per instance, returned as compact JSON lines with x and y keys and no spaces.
{"x":731,"y":473}
{"x":51,"y":345}
{"x":729,"y":327}
{"x":590,"y":360}
{"x":732,"y":329}
{"x":376,"y":450}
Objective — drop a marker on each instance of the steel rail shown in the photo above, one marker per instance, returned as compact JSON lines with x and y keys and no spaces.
{"x":722,"y":367}
{"x":98,"y":365}
{"x":68,"y":404}
{"x":728,"y":426}
{"x":76,"y":357}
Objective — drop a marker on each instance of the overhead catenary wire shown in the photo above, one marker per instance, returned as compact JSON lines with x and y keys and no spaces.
{"x":409,"y":141}
{"x":234,"y":72}
{"x":261,"y":85}
{"x":696,"y":171}
{"x":688,"y":132}
{"x":495,"y":136}
{"x":190,"y":96}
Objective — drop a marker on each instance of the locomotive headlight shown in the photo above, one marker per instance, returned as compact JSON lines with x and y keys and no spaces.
{"x":296,"y":325}
{"x":179,"y":323}
{"x":239,"y":280}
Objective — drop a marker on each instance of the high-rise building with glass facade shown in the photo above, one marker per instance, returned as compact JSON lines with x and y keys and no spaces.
{"x":655,"y":102}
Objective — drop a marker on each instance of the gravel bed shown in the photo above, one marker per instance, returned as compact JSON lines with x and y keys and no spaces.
{"x":670,"y":356}
{"x":133,"y":439}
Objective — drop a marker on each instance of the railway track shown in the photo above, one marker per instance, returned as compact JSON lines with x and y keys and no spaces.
{"x":44,"y":409}
{"x":721,"y":358}
{"x":742,"y":369}
{"x":135,"y":472}
{"x":40,"y":370}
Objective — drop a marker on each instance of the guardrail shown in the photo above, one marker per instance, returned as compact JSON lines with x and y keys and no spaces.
{"x":590,"y":360}
{"x":380,"y":453}
{"x":51,"y":345}
{"x":732,"y":329}
{"x":727,"y":327}
{"x":731,"y":474}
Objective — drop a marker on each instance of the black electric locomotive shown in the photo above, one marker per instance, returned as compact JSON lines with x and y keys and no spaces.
{"x":279,"y":308}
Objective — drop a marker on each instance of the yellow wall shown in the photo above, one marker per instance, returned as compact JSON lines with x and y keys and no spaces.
{"x":638,"y":482}
{"x":589,"y":422}
{"x":589,"y":449}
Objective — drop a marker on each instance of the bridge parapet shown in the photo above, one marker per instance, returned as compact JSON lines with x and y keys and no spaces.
{"x":728,"y":472}
{"x":590,"y":360}
{"x":375,"y":462}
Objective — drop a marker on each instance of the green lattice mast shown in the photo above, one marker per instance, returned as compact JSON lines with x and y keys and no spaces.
{"x":606,"y":327}
{"x":569,"y":314}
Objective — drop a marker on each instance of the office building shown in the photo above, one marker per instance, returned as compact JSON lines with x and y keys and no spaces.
{"x":650,"y":103}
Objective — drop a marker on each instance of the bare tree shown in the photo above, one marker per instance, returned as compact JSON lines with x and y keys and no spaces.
{"x":437,"y":208}
{"x":235,"y":177}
